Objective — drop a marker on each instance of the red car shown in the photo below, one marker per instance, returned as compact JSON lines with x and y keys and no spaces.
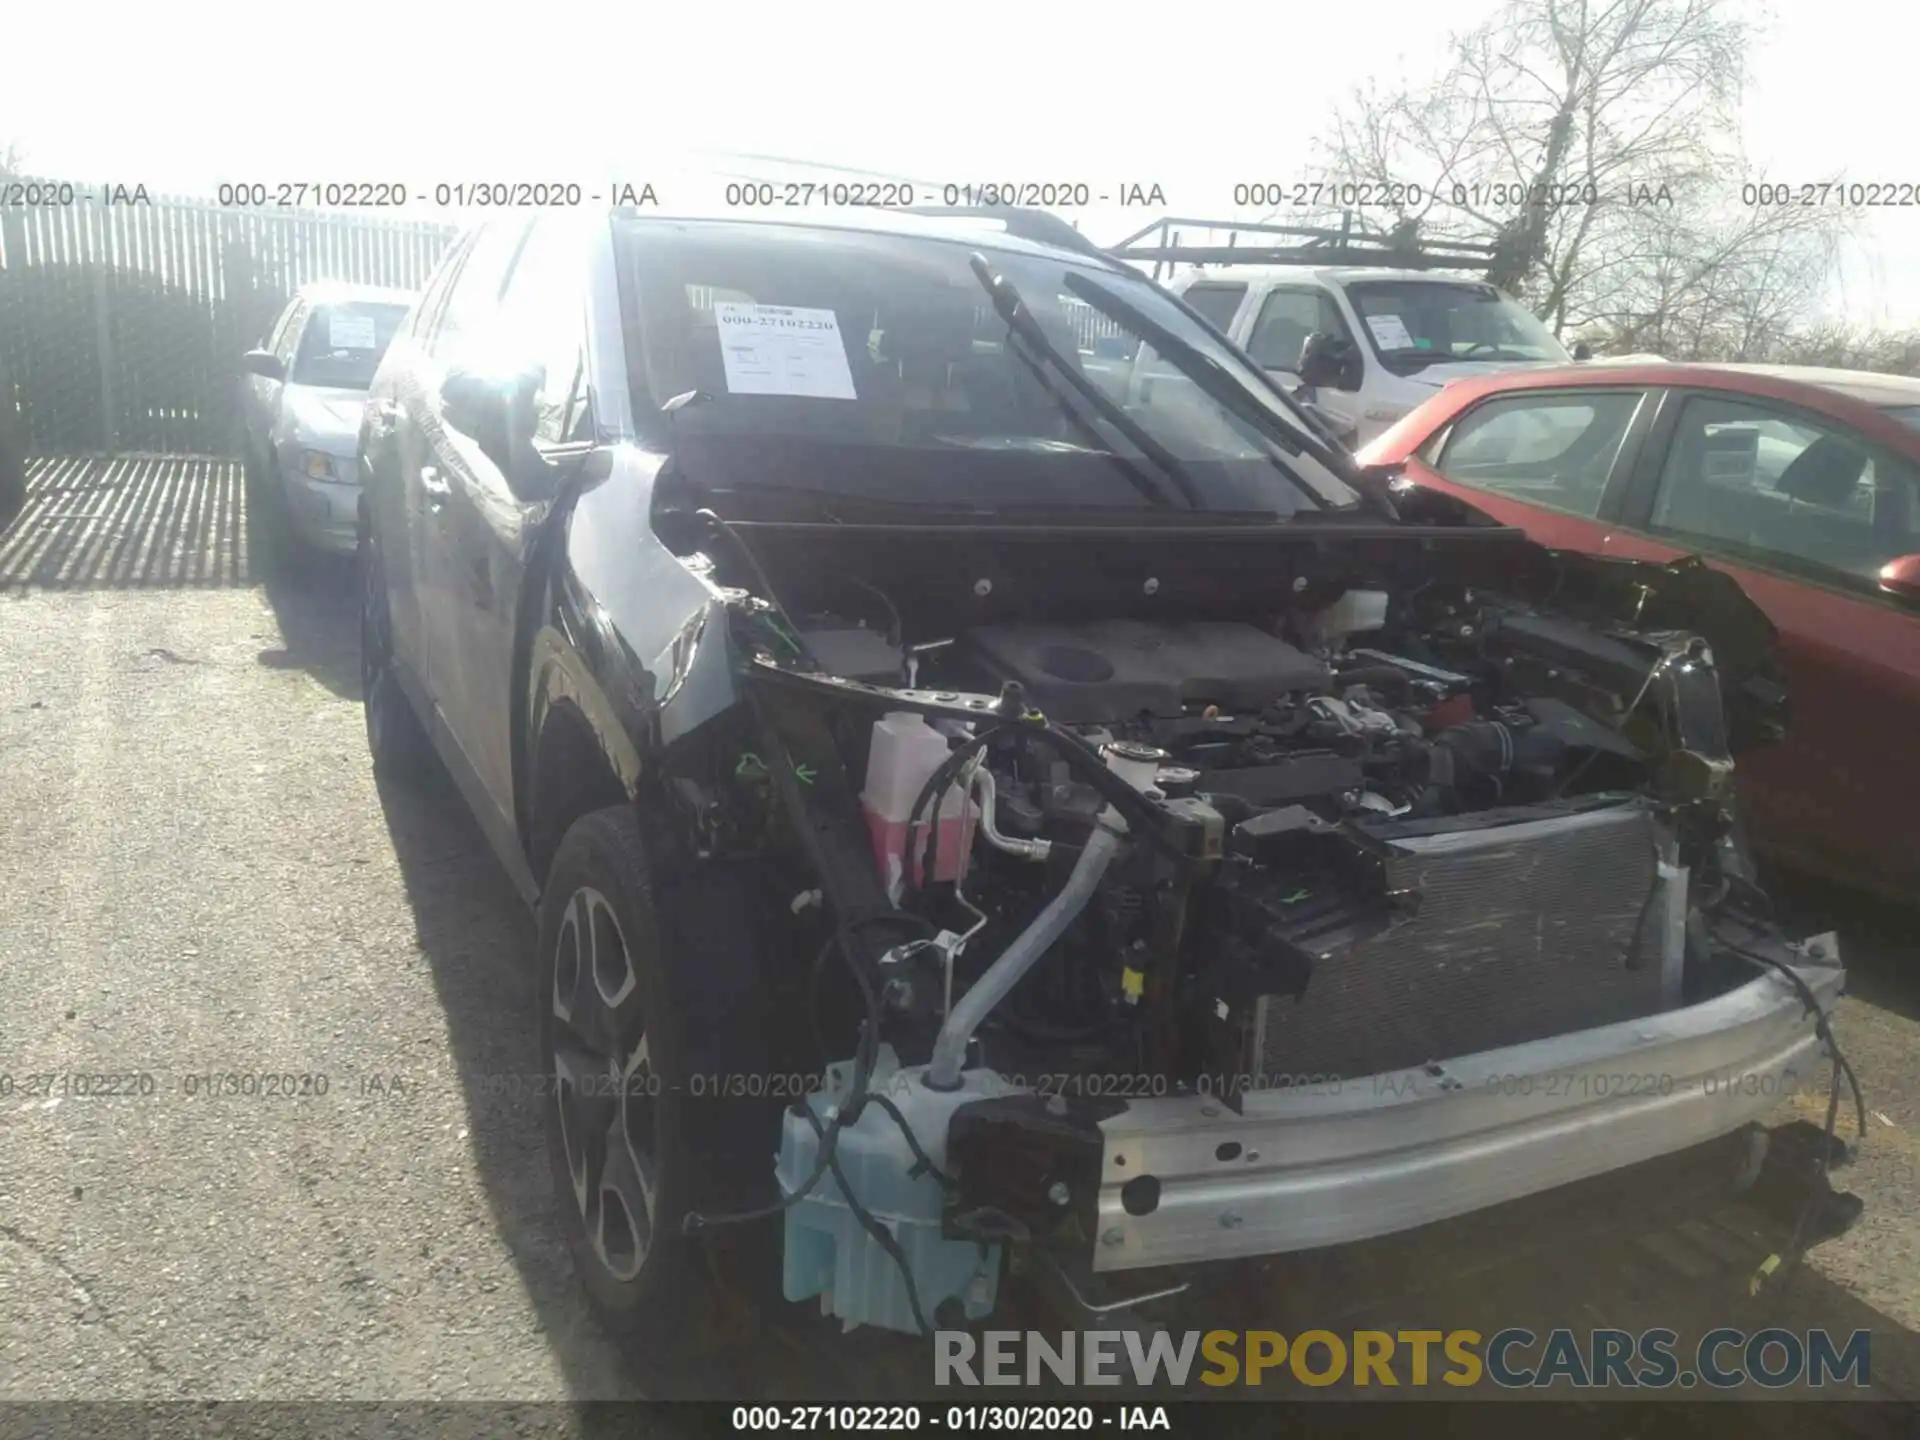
{"x":1803,"y":485}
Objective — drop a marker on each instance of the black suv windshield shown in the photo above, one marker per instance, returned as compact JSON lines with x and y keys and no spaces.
{"x":1413,"y":324}
{"x":876,"y":366}
{"x":343,"y":342}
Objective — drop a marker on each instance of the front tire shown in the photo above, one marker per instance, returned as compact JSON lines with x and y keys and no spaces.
{"x":274,"y":538}
{"x":643,"y":1013}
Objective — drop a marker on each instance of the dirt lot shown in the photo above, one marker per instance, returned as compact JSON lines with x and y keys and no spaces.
{"x":200,"y":878}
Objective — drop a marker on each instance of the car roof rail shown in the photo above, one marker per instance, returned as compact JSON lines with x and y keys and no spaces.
{"x":1351,"y":244}
{"x":1040,"y":226}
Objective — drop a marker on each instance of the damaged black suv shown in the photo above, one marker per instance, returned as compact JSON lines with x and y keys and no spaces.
{"x":995,"y":777}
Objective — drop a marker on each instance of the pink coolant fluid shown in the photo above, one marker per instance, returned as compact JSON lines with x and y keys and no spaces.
{"x":906,"y":751}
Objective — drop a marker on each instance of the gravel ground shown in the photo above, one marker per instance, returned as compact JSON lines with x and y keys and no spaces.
{"x":199,"y":878}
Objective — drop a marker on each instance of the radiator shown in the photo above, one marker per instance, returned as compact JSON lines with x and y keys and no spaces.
{"x":1523,"y":931}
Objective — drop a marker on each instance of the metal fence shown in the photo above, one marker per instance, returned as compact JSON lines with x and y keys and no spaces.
{"x":121,"y":324}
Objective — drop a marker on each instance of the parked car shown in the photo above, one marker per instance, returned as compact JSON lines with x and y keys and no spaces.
{"x":1392,"y":337}
{"x":1803,"y":485}
{"x":300,"y":406}
{"x":954,"y":789}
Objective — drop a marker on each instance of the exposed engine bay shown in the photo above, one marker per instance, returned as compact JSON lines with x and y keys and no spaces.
{"x":1073,"y":864}
{"x":1374,"y":844}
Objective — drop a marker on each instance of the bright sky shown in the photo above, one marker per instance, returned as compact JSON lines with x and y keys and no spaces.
{"x":185,"y":97}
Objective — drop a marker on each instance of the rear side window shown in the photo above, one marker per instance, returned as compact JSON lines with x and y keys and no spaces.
{"x":1217,"y":303}
{"x":1784,"y":487}
{"x":1554,"y":451}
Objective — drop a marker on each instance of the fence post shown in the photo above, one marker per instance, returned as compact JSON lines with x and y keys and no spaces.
{"x":103,"y":339}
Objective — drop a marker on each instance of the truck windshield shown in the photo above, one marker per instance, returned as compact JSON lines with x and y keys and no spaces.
{"x":1413,"y":324}
{"x":875,"y":365}
{"x":343,"y":342}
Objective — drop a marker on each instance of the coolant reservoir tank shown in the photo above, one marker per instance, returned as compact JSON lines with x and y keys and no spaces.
{"x":906,"y":750}
{"x":1138,"y":765}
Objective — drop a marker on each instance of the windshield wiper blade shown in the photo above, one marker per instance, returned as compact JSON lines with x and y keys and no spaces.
{"x":1011,"y":308}
{"x":1219,"y":384}
{"x":1214,"y":380}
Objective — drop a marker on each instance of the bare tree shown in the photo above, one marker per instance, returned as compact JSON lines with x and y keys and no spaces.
{"x":1592,"y":144}
{"x":1848,"y":347}
{"x":1725,"y":284}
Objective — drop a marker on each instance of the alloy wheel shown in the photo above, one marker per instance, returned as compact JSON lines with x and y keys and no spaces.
{"x":604,"y":1085}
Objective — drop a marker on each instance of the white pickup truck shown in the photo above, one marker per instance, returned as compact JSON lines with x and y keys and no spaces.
{"x":1400,"y":334}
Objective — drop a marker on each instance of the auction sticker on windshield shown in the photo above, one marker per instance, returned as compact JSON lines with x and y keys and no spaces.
{"x":1391,"y":332}
{"x":350,"y":332}
{"x":783,"y":350}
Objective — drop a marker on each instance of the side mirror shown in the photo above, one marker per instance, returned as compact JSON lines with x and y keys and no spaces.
{"x":263,"y":363}
{"x":680,"y":515}
{"x":1901,"y":578}
{"x":476,"y":406}
{"x":1582,"y":351}
{"x":496,"y":411}
{"x":1327,"y":360}
{"x":479,"y":406}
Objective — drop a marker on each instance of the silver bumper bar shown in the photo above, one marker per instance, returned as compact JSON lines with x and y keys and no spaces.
{"x":1349,"y":1160}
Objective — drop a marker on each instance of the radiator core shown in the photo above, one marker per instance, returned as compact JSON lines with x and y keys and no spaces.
{"x":1523,"y":931}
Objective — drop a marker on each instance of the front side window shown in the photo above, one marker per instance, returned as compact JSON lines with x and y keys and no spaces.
{"x":1416,"y":324}
{"x":472,"y":306}
{"x":1287,"y":318}
{"x":288,"y":333}
{"x":1778,"y":485}
{"x":343,"y":342}
{"x":541,"y":323}
{"x":1556,"y":451}
{"x":845,"y":361}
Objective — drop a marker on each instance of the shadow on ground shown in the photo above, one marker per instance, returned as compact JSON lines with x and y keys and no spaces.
{"x":128,"y":522}
{"x":314,"y":594}
{"x":1879,"y":940}
{"x":316,"y":601}
{"x":146,"y":522}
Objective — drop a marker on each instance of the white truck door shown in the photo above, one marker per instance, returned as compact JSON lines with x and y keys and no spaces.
{"x":1276,"y":328}
{"x":1217,"y":301}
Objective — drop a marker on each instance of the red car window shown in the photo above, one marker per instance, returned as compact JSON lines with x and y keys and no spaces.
{"x":1553,"y":450}
{"x":1775,"y":484}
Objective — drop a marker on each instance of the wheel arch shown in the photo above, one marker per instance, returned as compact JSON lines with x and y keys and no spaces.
{"x":576,"y":751}
{"x":622,"y":656}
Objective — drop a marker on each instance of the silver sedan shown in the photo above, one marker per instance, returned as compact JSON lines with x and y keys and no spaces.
{"x":304,"y":389}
